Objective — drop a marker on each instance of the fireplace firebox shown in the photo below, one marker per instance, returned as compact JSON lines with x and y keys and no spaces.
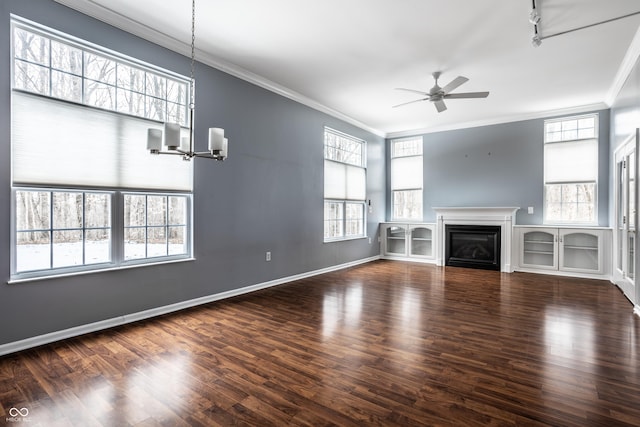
{"x":473,"y":246}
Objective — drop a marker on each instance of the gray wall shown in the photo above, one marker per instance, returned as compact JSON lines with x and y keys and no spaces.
{"x":268,"y":196}
{"x":497,"y":165}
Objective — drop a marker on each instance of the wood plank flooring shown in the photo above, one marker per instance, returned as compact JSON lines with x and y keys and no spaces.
{"x":387,"y":343}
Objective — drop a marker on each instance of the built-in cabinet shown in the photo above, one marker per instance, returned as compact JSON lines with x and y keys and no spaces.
{"x":414,"y":242}
{"x":571,"y":250}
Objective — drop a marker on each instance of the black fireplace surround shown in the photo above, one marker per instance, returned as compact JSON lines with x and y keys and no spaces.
{"x":473,"y":246}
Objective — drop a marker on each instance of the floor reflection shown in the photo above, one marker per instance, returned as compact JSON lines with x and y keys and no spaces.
{"x":341,"y":308}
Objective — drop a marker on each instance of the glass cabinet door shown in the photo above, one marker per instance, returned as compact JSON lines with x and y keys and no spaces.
{"x":421,"y":239}
{"x":395,"y":240}
{"x":580,"y":251}
{"x":539,"y":248}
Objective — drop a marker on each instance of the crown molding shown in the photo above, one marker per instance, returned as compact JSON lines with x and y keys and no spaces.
{"x":629,"y":61}
{"x":101,"y":13}
{"x":501,"y":120}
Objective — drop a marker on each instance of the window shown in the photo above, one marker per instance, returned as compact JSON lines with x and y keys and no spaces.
{"x":86,"y":193}
{"x":345,"y":186}
{"x":406,"y":179}
{"x":62,"y":68}
{"x":154,"y":225}
{"x":571,"y":170}
{"x":57,"y":229}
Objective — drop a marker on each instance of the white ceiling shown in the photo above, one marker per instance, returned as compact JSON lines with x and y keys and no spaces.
{"x":347,"y":56}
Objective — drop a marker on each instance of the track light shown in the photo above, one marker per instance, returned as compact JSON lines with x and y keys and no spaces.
{"x":534,"y":17}
{"x":536,"y":40}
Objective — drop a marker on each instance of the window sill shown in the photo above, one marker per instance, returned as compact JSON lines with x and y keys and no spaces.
{"x":344,"y":239}
{"x":18,"y":279}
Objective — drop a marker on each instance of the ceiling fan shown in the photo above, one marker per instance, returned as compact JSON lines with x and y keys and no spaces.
{"x":438,"y":94}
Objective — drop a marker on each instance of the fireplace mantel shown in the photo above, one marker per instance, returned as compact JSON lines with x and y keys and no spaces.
{"x":500,"y":216}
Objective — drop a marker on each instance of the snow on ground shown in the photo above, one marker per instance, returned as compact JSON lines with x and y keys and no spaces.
{"x":39,"y":256}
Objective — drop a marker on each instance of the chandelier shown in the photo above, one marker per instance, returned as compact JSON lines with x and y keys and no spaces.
{"x":169,"y":137}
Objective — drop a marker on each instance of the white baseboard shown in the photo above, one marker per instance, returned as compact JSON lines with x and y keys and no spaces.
{"x":636,"y":310}
{"x":25,"y":344}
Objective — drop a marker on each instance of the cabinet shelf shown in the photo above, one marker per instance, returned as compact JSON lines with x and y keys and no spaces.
{"x":586,"y":248}
{"x":539,"y":252}
{"x":544,"y":242}
{"x":421,"y":239}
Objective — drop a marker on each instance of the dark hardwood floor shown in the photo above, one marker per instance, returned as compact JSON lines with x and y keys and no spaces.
{"x":386,"y":343}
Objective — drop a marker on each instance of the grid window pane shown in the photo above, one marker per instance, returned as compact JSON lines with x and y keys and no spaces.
{"x":51,"y":67}
{"x":66,"y":86}
{"x":33,"y":250}
{"x":333,"y":220}
{"x":161,"y":226}
{"x":31,"y":77}
{"x":67,"y":210}
{"x":130,"y":78}
{"x":135,"y":208}
{"x":31,"y":47}
{"x":156,"y":108}
{"x":99,"y":68}
{"x":354,"y":221}
{"x":177,"y":210}
{"x":61,"y":229}
{"x":407,"y":204}
{"x":406,"y":147}
{"x":67,"y":248}
{"x":66,"y":58}
{"x":130,"y":102}
{"x":570,"y":203}
{"x":156,"y":85}
{"x":99,"y":95}
{"x":156,"y":210}
{"x":344,"y":149}
{"x":156,"y":241}
{"x":177,"y":240}
{"x":97,"y":246}
{"x":135,"y":243}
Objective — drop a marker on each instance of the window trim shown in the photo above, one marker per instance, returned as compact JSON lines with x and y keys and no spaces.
{"x":344,"y":202}
{"x":392,"y":156}
{"x":92,"y":48}
{"x":117,"y":261}
{"x":595,"y":182}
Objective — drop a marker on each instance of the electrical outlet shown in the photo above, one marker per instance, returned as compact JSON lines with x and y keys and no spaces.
{"x":530,"y":210}
{"x":267,"y":256}
{"x":369,"y":240}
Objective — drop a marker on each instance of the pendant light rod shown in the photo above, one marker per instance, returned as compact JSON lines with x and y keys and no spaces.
{"x":170,"y":135}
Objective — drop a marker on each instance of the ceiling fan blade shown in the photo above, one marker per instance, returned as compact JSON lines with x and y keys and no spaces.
{"x":440,"y":105}
{"x":413,"y":91}
{"x":466,"y":95}
{"x":454,"y":84}
{"x":410,"y":102}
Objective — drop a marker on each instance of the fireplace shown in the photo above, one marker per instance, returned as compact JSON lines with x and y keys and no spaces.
{"x":473,"y":246}
{"x":502,"y":217}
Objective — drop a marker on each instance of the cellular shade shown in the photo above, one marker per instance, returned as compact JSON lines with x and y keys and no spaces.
{"x":406,"y":173}
{"x":60,"y":143}
{"x":573,"y":161}
{"x":343,"y":181}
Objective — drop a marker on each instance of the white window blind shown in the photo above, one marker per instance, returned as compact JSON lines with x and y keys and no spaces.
{"x":571,"y":161}
{"x":344,"y":182}
{"x":406,"y":173}
{"x":60,"y":143}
